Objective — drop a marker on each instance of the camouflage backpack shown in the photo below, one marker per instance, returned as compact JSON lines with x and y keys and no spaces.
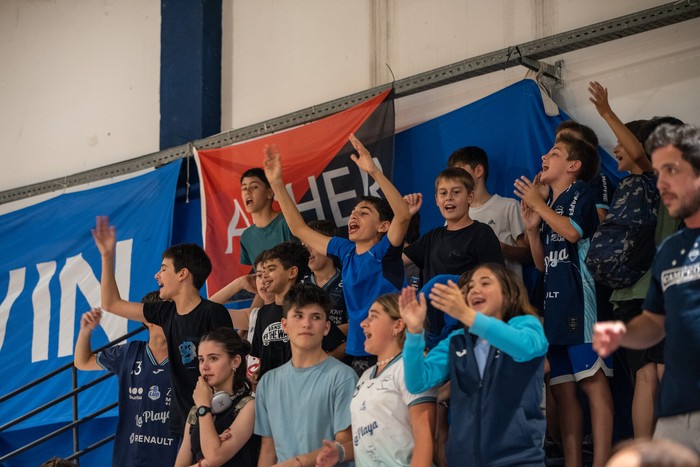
{"x":623,"y":246}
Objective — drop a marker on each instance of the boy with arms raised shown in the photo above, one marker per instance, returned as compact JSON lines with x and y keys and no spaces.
{"x":559,"y":234}
{"x":269,"y":227}
{"x":325,"y":274}
{"x":306,"y":400}
{"x":283,"y":267}
{"x":371,"y":257}
{"x":183,"y":314}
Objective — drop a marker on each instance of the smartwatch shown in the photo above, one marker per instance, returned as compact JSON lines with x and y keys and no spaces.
{"x":202,"y":410}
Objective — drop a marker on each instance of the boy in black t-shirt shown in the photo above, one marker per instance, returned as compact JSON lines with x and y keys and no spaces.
{"x":183,"y":315}
{"x":458,"y":246}
{"x":284,"y":266}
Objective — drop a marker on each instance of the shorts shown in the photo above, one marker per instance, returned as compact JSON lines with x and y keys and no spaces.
{"x":636,"y":359}
{"x":683,"y":429}
{"x":572,"y":363}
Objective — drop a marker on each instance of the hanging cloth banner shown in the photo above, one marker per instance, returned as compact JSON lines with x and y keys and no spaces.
{"x":511,"y":125}
{"x":50,"y":274}
{"x":316,"y":166}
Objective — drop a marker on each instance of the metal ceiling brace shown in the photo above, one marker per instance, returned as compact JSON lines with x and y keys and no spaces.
{"x":527,"y":54}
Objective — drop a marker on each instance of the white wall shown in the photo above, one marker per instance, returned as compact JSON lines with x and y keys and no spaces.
{"x":79,"y":86}
{"x":79,"y":78}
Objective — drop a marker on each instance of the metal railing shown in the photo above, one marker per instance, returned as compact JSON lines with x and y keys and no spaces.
{"x":73,"y":394}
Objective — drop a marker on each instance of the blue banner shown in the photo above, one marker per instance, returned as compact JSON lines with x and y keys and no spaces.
{"x":50,"y":274}
{"x":511,"y":125}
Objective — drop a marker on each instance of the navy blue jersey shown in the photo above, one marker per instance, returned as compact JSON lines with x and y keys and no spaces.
{"x":674,"y":291}
{"x":570,"y":296}
{"x":334,"y":288}
{"x":143,"y":435}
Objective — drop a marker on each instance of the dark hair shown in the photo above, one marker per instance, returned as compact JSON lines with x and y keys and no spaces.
{"x":152,"y":297}
{"x":636,"y":127}
{"x":515,"y":299}
{"x":261,"y":258}
{"x":685,"y":138}
{"x":471,"y":156}
{"x":58,"y":462}
{"x":380,"y":204}
{"x":290,"y":254}
{"x":233,"y":345}
{"x":659,"y":452}
{"x":324,"y":226}
{"x":653,"y":124}
{"x":579,"y":150}
{"x":256,"y":172}
{"x":192,"y":257}
{"x":301,"y":295}
{"x":457,"y":175}
{"x":580,"y":131}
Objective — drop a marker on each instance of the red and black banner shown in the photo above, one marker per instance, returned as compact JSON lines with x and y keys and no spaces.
{"x":317,"y":169}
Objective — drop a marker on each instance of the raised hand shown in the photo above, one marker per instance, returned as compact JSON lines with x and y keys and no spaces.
{"x":413,"y":309}
{"x":450,"y":299}
{"x":607,"y":336}
{"x":363,"y":158}
{"x":599,"y":98}
{"x":414,"y":202}
{"x":90,"y":319}
{"x":272,"y":163}
{"x":105,"y":236}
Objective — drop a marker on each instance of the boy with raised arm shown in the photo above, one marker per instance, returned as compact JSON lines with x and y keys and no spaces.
{"x":269,"y":227}
{"x":371,"y":257}
{"x":307,"y":399}
{"x":671,"y":307}
{"x":559,"y":231}
{"x":142,"y":437}
{"x":183,"y":314}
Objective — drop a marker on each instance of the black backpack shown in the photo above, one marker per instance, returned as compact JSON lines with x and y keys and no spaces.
{"x":623,"y":246}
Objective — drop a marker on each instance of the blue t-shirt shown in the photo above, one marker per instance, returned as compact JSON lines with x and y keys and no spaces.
{"x":365,"y":277}
{"x":674,"y":291}
{"x":300,"y":407}
{"x":143,"y":435}
{"x":570,"y":296}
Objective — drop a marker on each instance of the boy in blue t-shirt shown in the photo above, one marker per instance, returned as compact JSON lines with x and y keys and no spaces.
{"x":370,"y":258}
{"x":559,"y":233}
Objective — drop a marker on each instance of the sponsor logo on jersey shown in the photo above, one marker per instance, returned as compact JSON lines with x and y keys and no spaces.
{"x":153,"y":393}
{"x":364,"y":431}
{"x":135,"y":393}
{"x":682,"y":275}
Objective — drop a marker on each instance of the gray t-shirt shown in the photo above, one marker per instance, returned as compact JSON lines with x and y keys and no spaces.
{"x":300,"y":407}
